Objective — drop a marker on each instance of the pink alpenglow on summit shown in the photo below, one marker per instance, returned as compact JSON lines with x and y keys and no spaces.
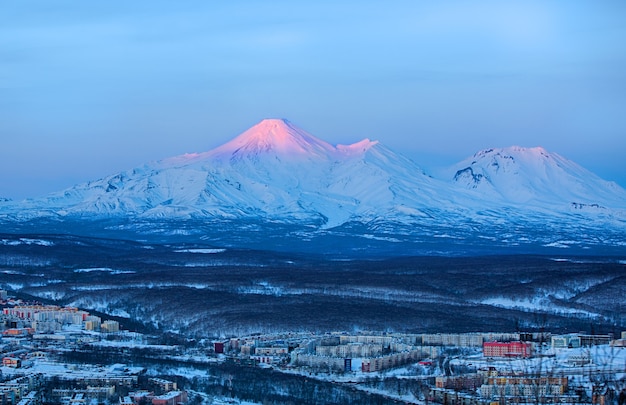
{"x":281,"y":137}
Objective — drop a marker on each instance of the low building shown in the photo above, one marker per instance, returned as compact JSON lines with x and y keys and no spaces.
{"x":127,"y":400}
{"x":565,"y":341}
{"x":266,"y":359}
{"x":11,"y":362}
{"x":78,"y":399}
{"x":31,"y":398}
{"x":220,"y":346}
{"x":18,"y":332}
{"x":141,"y":396}
{"x":579,"y":359}
{"x":171,"y":398}
{"x":618,"y":343}
{"x":595,"y":340}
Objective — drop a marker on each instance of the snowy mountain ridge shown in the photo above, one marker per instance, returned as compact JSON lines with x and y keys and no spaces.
{"x":276,"y":172}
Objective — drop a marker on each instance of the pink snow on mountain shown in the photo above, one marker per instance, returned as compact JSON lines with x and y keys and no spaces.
{"x":275,"y":135}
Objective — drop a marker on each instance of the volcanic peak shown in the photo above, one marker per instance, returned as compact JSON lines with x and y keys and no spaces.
{"x":277,"y":136}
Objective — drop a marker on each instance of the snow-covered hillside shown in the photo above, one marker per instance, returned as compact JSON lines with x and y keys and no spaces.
{"x":276,"y":172}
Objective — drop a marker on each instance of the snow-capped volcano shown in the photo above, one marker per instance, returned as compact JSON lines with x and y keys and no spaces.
{"x":274,"y":171}
{"x":534,"y":175}
{"x":277,"y":173}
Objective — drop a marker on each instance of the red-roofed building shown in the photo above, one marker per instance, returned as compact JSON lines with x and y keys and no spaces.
{"x":507,"y":349}
{"x":171,"y":398}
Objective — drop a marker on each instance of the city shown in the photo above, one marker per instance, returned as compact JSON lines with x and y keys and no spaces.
{"x":54,"y":354}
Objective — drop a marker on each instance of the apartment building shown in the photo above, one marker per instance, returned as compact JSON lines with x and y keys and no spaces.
{"x":507,"y":349}
{"x":524,"y":388}
{"x":110,"y":326}
{"x":369,"y":365}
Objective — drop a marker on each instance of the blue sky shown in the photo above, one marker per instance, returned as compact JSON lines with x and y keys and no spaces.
{"x":88,"y":89}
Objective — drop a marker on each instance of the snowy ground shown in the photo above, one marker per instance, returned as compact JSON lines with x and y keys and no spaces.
{"x":72,"y":371}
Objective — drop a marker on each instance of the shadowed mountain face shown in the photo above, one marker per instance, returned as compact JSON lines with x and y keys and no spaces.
{"x":276,"y":182}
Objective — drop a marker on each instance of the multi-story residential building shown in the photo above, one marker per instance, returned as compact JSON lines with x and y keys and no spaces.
{"x":93,"y":323}
{"x":388,"y":361}
{"x":46,"y":326}
{"x":430,"y":351}
{"x":317,"y":362}
{"x":366,"y":339}
{"x":459,"y":383}
{"x":165,"y":385}
{"x":507,"y":349}
{"x":524,"y":389}
{"x":350,"y":350}
{"x":465,"y":339}
{"x":271,"y":351}
{"x":110,"y":326}
{"x":43,"y":313}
